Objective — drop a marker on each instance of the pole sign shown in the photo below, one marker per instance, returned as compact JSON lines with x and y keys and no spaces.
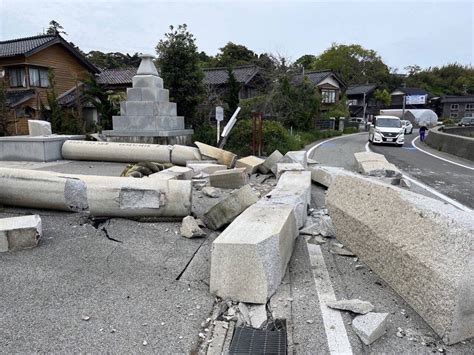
{"x":415,"y":99}
{"x":219,"y":113}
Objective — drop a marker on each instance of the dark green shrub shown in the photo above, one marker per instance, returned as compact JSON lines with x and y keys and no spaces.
{"x":349,"y":130}
{"x":205,"y":133}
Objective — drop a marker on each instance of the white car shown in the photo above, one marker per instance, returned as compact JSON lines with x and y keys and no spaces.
{"x":407,"y":126}
{"x":387,"y":129}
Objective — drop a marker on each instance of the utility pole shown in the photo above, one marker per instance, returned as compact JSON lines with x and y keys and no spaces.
{"x":403,"y":109}
{"x":363,"y":114}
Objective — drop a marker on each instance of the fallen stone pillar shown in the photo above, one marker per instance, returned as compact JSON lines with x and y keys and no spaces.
{"x":128,"y":152}
{"x":222,"y":156}
{"x":99,"y":195}
{"x":42,"y":189}
{"x":229,"y":179}
{"x":249,"y":259}
{"x":250,"y":163}
{"x":229,"y":208}
{"x":428,"y":259}
{"x":18,"y":233}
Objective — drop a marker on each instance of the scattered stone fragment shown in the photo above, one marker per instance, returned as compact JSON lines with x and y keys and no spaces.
{"x":405,"y":183}
{"x":371,"y":326}
{"x":258,"y":178}
{"x":270,"y":163}
{"x":85,"y":318}
{"x":296,"y":156}
{"x":357,"y":267}
{"x":18,"y":233}
{"x":205,"y":168}
{"x":229,"y":179}
{"x":145,"y":343}
{"x":201,"y":224}
{"x":210,"y":191}
{"x":258,"y":315}
{"x":174,"y":173}
{"x":250,"y":163}
{"x":190,"y":228}
{"x":316,"y":239}
{"x":335,"y":249}
{"x":230,"y":207}
{"x":222,"y":156}
{"x":244,"y":314}
{"x":354,"y":305}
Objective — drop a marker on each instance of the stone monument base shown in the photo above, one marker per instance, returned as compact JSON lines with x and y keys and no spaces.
{"x":38,"y":148}
{"x":181,"y":137}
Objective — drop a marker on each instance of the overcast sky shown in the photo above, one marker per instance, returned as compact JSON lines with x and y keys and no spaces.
{"x":426,"y":33}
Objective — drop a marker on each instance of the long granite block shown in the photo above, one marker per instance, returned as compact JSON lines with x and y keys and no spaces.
{"x":152,"y":123}
{"x":147,"y":108}
{"x":147,"y":81}
{"x":422,"y":247}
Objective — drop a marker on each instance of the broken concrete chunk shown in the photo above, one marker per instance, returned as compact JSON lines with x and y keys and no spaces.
{"x":270,"y":163}
{"x":354,"y":305}
{"x":283,"y":167}
{"x":206,"y":168}
{"x":210,"y":191}
{"x":405,"y":183}
{"x":258,"y":315}
{"x":39,"y":128}
{"x":249,"y":259}
{"x":17,"y":233}
{"x":190,"y":228}
{"x":250,"y":163}
{"x":370,"y":326}
{"x":427,"y":259}
{"x":225,"y":211}
{"x":222,"y":156}
{"x":298,"y":156}
{"x":174,"y":173}
{"x":373,"y":164}
{"x":229,"y":179}
{"x":336,"y":249}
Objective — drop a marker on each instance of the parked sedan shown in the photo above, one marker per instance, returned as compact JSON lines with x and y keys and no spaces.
{"x":407,"y":126}
{"x":466,"y":121}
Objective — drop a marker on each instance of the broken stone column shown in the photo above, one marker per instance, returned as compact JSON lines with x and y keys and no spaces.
{"x":18,"y":233}
{"x":42,"y":189}
{"x":39,"y":128}
{"x":229,"y":208}
{"x":222,"y":156}
{"x":428,"y":259}
{"x":250,"y":163}
{"x":128,"y":152}
{"x":98,"y":195}
{"x":249,"y":259}
{"x":229,"y":179}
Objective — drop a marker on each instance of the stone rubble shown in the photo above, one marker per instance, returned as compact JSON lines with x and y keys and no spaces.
{"x":229,"y":179}
{"x":371,"y":326}
{"x":17,"y":233}
{"x":190,"y":228}
{"x":269,"y":165}
{"x":353,"y":305}
{"x":210,"y":191}
{"x":250,"y":163}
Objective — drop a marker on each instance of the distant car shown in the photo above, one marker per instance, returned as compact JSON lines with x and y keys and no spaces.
{"x":466,"y":121}
{"x":387,"y":129}
{"x":407,"y":126}
{"x":359,"y":120}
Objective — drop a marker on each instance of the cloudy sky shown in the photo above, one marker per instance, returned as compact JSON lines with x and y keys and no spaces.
{"x":426,"y":33}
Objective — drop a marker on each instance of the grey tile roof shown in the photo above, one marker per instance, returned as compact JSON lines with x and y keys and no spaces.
{"x":317,"y":76}
{"x":360,"y":89}
{"x":117,"y":76}
{"x":218,"y":76}
{"x":457,"y":99}
{"x":20,"y":46}
{"x":16,"y":96}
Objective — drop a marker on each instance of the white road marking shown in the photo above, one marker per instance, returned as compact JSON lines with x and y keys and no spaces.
{"x":437,"y":157}
{"x":313,"y":148}
{"x":338,"y":341}
{"x":431,"y":190}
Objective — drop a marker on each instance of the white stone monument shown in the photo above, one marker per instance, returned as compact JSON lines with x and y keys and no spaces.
{"x":148,"y":116}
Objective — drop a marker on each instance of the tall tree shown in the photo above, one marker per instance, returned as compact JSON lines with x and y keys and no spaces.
{"x":234,"y":55}
{"x":354,"y":63}
{"x":100,"y":99}
{"x":178,"y":59}
{"x":305,"y":61}
{"x":232,"y":95}
{"x":55,"y":28}
{"x":113,"y":60}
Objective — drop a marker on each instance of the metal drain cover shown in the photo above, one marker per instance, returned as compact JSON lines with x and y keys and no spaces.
{"x":248,"y":340}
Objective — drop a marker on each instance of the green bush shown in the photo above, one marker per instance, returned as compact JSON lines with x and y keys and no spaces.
{"x":205,"y":133}
{"x":449,"y":122}
{"x":349,"y":130}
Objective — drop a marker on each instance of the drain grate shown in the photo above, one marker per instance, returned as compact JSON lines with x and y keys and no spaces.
{"x":248,"y":340}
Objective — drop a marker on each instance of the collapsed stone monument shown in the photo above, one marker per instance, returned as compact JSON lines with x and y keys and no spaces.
{"x":148,"y":116}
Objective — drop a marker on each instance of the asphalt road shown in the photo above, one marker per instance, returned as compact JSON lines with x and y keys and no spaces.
{"x":454,"y":181}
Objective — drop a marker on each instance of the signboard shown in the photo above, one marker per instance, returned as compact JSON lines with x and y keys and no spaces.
{"x":415,"y":99}
{"x":219,"y":113}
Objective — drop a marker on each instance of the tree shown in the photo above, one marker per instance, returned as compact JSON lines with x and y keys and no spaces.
{"x":55,"y":113}
{"x":55,"y":28}
{"x":232,"y":94}
{"x":178,"y":60}
{"x":383,"y":97}
{"x":3,"y":109}
{"x":305,"y":61}
{"x":101,"y":101}
{"x":234,"y":55}
{"x":113,"y":60}
{"x":354,"y":63}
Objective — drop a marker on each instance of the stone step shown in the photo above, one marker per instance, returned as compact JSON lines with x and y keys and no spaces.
{"x":147,"y":108}
{"x":151,"y":123}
